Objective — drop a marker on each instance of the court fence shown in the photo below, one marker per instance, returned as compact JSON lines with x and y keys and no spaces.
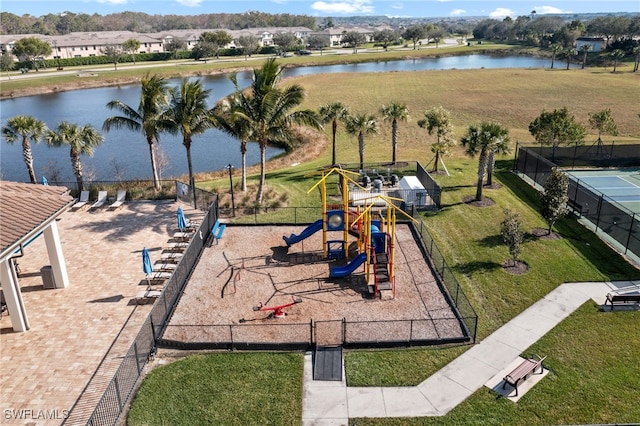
{"x":605,"y":215}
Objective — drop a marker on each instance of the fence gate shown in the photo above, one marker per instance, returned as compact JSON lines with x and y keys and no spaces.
{"x":328,"y":333}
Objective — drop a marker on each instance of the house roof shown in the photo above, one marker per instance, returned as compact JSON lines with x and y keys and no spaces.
{"x":24,"y":210}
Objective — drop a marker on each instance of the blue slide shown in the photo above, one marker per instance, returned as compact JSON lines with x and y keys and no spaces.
{"x":346,"y":270}
{"x":306,"y":233}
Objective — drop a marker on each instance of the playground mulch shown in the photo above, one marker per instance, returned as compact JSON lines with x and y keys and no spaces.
{"x":252,"y":265}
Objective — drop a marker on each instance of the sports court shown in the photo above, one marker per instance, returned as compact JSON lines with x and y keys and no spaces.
{"x":619,"y":185}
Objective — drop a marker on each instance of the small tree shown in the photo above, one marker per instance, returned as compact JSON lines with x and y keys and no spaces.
{"x":385,"y":37}
{"x":286,"y":41}
{"x":557,"y":127}
{"x":31,"y":49}
{"x":316,"y":41}
{"x":353,"y":39}
{"x":616,"y":55}
{"x":131,"y":47}
{"x":604,"y":122}
{"x":511,"y":229}
{"x":113,"y":53}
{"x":414,"y":33}
{"x":438,"y":119}
{"x":585,"y":49}
{"x":176,"y":45}
{"x":6,"y":63}
{"x":554,"y":197}
{"x":249,"y":45}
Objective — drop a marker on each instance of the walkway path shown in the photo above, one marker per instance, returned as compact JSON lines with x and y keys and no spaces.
{"x":333,"y":403}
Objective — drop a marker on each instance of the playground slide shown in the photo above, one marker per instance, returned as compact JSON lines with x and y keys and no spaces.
{"x":307,"y":232}
{"x":346,"y":270}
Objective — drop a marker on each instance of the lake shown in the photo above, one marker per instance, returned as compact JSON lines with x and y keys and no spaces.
{"x":126,"y":154}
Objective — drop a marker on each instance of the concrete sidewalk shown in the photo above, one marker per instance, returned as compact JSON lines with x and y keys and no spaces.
{"x":333,"y":403}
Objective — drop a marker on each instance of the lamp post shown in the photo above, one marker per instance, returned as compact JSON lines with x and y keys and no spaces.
{"x":233,"y":203}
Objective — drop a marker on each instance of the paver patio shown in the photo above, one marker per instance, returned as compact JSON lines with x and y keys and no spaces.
{"x":73,"y":329}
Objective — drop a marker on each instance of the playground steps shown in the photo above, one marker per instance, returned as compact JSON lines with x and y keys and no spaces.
{"x":327,"y":363}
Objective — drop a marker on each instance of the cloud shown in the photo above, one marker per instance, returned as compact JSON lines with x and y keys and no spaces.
{"x":397,"y":6}
{"x":189,"y":3}
{"x":457,"y":12}
{"x":279,"y":1}
{"x":113,"y":1}
{"x":545,"y":10}
{"x":344,"y":7}
{"x":501,"y":12}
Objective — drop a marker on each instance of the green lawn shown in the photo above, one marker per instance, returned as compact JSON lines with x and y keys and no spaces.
{"x":591,"y":354}
{"x":222,"y":389}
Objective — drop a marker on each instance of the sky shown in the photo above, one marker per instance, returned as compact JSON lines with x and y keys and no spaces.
{"x":322,"y":8}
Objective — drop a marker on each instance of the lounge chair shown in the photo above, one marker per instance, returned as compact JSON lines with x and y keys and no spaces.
{"x":122,"y":194}
{"x":102,"y":198}
{"x":147,"y":296}
{"x":82,"y":201}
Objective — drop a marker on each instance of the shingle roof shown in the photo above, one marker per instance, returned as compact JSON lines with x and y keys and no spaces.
{"x":24,"y":207}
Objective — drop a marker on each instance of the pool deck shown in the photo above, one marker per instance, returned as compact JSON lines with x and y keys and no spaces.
{"x":81,"y":331}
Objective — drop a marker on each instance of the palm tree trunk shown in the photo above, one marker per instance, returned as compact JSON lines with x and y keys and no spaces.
{"x":263,"y":165}
{"x":361,"y":150}
{"x":28,"y":159}
{"x":584,"y":60}
{"x":76,"y":165}
{"x":243,"y":151}
{"x":187,"y":145}
{"x":482,"y":167}
{"x":333,"y":144}
{"x":394,"y":140}
{"x":154,"y":167}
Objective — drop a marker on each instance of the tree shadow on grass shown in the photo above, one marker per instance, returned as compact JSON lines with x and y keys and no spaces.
{"x":476,"y":266}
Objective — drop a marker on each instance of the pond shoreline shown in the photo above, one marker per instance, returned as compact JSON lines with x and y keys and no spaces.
{"x":84,"y":83}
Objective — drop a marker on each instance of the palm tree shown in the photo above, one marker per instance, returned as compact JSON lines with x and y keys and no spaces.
{"x":636,"y":62}
{"x":394,"y":112}
{"x":81,"y":140}
{"x":332,"y":112}
{"x":145,"y":119}
{"x":482,"y":139}
{"x":555,"y":49}
{"x":188,"y":114}
{"x":568,"y":53}
{"x":501,"y":147}
{"x":25,"y":127}
{"x":223,"y":118}
{"x":269,"y":112}
{"x":360,"y":125}
{"x":438,"y":119}
{"x":616,"y":54}
{"x":585,"y":48}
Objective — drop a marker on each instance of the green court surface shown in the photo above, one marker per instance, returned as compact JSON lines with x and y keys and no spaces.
{"x":619,"y":185}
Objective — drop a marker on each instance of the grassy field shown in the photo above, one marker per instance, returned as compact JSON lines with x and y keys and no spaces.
{"x":592,"y":354}
{"x":222,"y":389}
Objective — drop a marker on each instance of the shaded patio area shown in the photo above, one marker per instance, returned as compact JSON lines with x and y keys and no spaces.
{"x":94,"y":318}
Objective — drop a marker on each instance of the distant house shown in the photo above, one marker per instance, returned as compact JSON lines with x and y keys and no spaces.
{"x":597,"y":43}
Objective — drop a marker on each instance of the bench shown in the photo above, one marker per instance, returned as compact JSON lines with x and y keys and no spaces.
{"x":523,"y":371}
{"x":619,"y":299}
{"x":575,"y":206}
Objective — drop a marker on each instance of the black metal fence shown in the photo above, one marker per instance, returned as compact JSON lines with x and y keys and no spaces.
{"x":369,"y":334}
{"x":597,"y":154}
{"x":116,"y":396}
{"x":433,"y":189}
{"x":618,"y":222}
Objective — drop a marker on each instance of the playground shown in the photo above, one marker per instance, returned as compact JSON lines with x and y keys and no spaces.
{"x":252,"y":266}
{"x":353,"y":265}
